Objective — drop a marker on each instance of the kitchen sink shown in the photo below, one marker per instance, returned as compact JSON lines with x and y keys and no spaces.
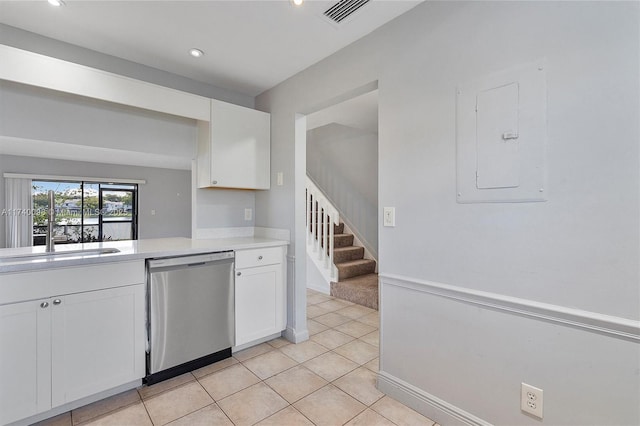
{"x":58,"y":255}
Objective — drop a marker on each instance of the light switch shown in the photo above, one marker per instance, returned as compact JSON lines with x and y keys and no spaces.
{"x":389,"y":216}
{"x":247,"y":214}
{"x":153,"y":212}
{"x":280,"y":179}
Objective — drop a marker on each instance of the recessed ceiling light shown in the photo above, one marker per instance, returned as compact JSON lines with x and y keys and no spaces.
{"x":56,"y":2}
{"x":196,"y":53}
{"x":297,"y":2}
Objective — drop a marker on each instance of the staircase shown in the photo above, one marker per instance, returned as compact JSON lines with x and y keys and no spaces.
{"x":350,"y":276}
{"x":357,"y":281}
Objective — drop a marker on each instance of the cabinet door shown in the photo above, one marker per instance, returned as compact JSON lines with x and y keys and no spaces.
{"x":259,"y":303}
{"x":240,"y":147}
{"x":97,"y":341}
{"x":25,"y":360}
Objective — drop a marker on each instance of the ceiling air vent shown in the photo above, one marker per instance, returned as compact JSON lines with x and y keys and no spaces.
{"x":343,"y":9}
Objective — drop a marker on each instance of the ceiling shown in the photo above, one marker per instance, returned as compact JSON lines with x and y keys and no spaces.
{"x":250,"y":46}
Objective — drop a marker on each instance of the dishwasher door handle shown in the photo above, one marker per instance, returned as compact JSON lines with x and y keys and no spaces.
{"x":184,"y":261}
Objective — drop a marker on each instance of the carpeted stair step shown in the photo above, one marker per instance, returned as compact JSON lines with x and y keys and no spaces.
{"x":337,"y":229}
{"x":345,"y":254}
{"x":362,"y":290}
{"x":342,"y":240}
{"x":353,"y":268}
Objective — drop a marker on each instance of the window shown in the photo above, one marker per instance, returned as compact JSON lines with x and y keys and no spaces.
{"x":86,"y":211}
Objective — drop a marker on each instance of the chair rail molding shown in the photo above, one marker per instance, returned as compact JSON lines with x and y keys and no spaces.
{"x":611,"y":326}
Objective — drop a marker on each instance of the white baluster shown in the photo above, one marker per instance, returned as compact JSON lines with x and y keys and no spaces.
{"x":321,"y":234}
{"x":331,"y":230}
{"x":307,"y":214}
{"x":318,"y":224}
{"x":325,"y":235}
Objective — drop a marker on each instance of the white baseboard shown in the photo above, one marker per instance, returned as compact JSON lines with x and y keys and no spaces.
{"x":324,"y":289}
{"x":426,"y":404}
{"x":255,"y":342}
{"x":296,"y":336}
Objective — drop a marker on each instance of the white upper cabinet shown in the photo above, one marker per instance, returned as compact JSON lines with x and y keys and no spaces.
{"x":234,"y":148}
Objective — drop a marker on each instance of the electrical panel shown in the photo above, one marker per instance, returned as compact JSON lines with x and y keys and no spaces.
{"x":501,"y":137}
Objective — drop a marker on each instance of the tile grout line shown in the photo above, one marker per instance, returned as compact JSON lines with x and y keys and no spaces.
{"x":365,"y":409}
{"x":145,"y":409}
{"x":211,"y":396}
{"x":291,"y":403}
{"x":105,"y":414}
{"x":288,"y":406}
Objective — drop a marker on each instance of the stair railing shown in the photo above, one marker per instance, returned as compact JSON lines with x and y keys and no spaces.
{"x":321,"y":216}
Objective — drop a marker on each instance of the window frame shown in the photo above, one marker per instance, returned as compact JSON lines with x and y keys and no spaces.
{"x":102,"y":186}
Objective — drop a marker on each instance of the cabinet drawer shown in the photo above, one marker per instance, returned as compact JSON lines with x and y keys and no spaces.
{"x":258,"y":257}
{"x":41,"y":284}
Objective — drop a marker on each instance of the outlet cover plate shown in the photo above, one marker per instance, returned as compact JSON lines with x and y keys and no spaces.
{"x":389,"y":216}
{"x":531,"y":401}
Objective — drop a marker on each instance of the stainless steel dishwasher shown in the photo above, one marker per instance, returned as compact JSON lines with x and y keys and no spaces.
{"x":190,"y":313}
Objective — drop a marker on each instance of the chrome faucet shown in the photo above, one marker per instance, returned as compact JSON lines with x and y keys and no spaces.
{"x":51,"y":221}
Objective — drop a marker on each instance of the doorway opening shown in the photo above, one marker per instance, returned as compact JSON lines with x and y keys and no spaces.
{"x":341,"y":172}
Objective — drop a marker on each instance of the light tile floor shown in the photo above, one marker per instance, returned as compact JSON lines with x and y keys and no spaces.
{"x":327,"y":380}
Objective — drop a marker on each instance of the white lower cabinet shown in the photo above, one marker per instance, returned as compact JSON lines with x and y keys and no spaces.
{"x":260,"y":293}
{"x":25,"y":360}
{"x":93,"y":342}
{"x":63,"y":348}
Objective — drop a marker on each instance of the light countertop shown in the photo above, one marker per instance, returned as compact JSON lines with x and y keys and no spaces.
{"x":14,"y":260}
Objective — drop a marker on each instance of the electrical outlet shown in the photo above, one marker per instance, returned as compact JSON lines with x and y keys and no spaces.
{"x":247,"y":214}
{"x":389,"y":216}
{"x":531,"y":400}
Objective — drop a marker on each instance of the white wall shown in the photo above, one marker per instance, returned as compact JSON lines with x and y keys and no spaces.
{"x":343,"y":162}
{"x":86,"y":129}
{"x":224,"y":208}
{"x":578,"y":252}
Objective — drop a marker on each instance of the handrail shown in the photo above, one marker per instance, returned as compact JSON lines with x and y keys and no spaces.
{"x":348,"y":215}
{"x":320,"y":218}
